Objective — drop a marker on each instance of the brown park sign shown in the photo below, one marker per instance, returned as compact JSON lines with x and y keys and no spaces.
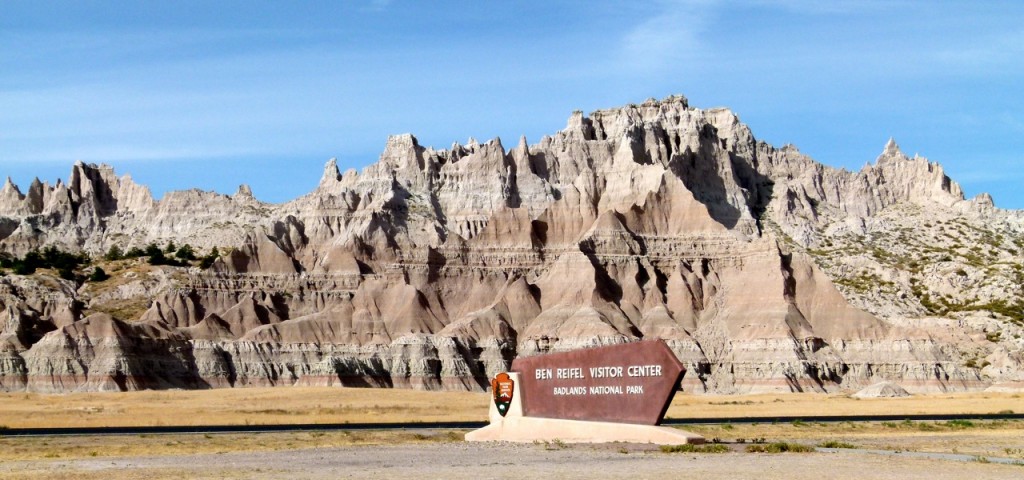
{"x":627,"y":383}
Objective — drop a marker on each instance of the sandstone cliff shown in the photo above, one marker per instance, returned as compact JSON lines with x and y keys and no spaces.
{"x":435,"y":268}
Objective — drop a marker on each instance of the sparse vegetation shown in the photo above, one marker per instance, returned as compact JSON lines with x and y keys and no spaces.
{"x":51,"y":257}
{"x":960,"y":424}
{"x":780,"y":447}
{"x":975,"y":255}
{"x":836,"y":444}
{"x":158,"y":256}
{"x":692,"y":448}
{"x":171,"y":255}
{"x":942,"y":306}
{"x":865,"y":282}
{"x":556,"y":444}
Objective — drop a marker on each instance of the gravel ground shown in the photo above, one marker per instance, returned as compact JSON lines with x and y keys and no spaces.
{"x":512,"y":461}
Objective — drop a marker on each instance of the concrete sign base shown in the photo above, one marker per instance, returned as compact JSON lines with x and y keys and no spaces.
{"x":514,"y":427}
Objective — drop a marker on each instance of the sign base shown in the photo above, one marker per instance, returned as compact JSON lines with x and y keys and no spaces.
{"x":514,"y":427}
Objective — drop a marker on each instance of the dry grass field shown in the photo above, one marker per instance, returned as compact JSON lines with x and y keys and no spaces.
{"x":263,"y":406}
{"x":242,"y":406}
{"x":322,"y":454}
{"x":811,"y":404}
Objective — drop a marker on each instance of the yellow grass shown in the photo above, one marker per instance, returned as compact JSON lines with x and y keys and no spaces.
{"x":239,"y":406}
{"x":981,"y":438}
{"x":290,"y":405}
{"x":129,"y":309}
{"x":800,"y":404}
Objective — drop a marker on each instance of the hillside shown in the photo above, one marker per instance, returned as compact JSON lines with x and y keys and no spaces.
{"x":762,"y":268}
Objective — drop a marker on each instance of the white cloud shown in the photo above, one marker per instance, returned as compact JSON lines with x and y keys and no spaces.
{"x":818,"y":7}
{"x":667,"y":39}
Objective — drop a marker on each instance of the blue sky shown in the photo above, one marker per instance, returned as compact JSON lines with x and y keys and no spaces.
{"x":188,"y":94}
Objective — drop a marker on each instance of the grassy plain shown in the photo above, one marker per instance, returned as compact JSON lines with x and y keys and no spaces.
{"x":49,"y":457}
{"x":812,"y":404}
{"x":263,"y":406}
{"x":239,"y":406}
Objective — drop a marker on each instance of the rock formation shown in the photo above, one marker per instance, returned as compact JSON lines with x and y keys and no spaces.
{"x":433,"y":269}
{"x":881,"y":390}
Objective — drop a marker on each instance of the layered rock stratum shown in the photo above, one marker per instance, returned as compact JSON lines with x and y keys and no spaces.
{"x":763,"y":269}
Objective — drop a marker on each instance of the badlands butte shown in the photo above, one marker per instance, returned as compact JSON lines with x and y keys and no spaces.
{"x":763,"y":269}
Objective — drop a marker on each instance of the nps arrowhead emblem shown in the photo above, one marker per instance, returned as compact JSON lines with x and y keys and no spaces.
{"x":502,"y":387}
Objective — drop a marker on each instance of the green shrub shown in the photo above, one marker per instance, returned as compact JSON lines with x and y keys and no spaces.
{"x":185,"y":253}
{"x":65,"y":263}
{"x":66,"y":273}
{"x":207,"y":261}
{"x":134,"y":252}
{"x":157,"y":256}
{"x":24,"y":269}
{"x":98,"y":275}
{"x":114,"y":253}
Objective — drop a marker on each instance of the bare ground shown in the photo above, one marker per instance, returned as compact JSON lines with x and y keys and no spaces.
{"x":466,"y":460}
